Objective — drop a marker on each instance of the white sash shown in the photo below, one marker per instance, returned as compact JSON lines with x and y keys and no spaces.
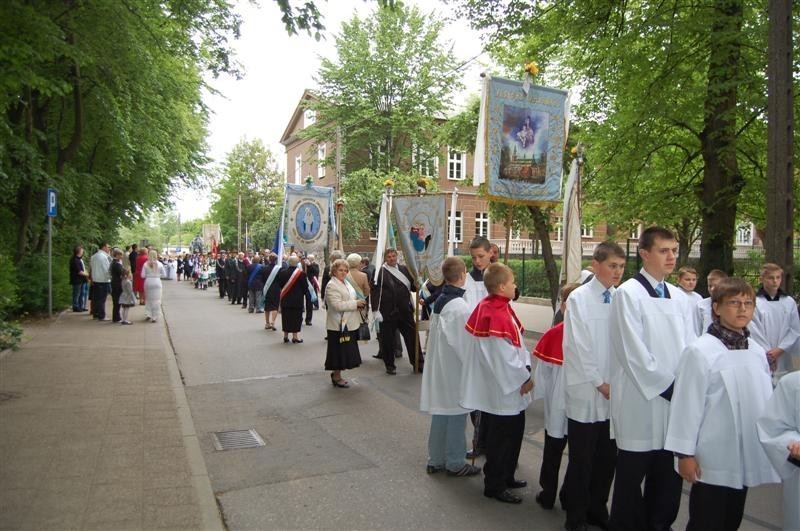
{"x":395,"y":271}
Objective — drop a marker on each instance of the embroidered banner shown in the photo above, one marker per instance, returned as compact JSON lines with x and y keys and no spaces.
{"x":422,"y":232}
{"x":522,"y":142}
{"x":309,"y":211}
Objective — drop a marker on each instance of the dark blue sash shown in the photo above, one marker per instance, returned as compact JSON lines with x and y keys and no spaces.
{"x":649,"y":287}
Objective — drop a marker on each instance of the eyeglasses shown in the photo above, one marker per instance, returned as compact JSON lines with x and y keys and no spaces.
{"x":747,"y":305}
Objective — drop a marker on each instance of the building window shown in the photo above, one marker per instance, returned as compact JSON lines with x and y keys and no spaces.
{"x":636,"y":233}
{"x":298,"y":169}
{"x":587,"y":231}
{"x":459,"y":233}
{"x":321,"y":161}
{"x":427,"y":164}
{"x":309,"y":117}
{"x":482,"y":224}
{"x":744,"y":234}
{"x":456,"y":164}
{"x":559,"y":230}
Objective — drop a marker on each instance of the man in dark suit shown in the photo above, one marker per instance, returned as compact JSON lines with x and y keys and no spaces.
{"x":219,"y":266}
{"x":312,"y":272}
{"x":116,"y":284}
{"x":392,"y":308}
{"x":132,"y":257}
{"x":231,"y":277}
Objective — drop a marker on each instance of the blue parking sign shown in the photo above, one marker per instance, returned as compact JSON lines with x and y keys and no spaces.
{"x":52,"y":202}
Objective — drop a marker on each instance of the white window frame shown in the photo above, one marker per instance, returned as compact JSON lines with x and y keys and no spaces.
{"x":309,"y":117}
{"x":558,"y":228}
{"x":587,"y":231}
{"x":459,"y":226}
{"x":744,"y":234}
{"x":456,"y":165}
{"x":321,"y":154}
{"x":636,"y":233}
{"x":482,"y":224}
{"x":425,"y":165}
{"x":298,"y":169}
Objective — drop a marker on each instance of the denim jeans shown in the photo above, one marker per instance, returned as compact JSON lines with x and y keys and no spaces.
{"x":255,"y":300}
{"x":447,"y":444}
{"x":79,"y":293}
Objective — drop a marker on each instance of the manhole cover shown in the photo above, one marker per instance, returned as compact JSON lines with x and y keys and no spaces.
{"x":236,"y":439}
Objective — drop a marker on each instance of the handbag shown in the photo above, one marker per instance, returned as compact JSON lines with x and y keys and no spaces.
{"x":363,"y":331}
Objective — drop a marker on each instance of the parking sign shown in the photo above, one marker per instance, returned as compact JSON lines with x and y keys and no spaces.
{"x":52,"y":202}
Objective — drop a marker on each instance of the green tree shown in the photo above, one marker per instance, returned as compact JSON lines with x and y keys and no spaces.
{"x":672,"y":100}
{"x":249,"y":173}
{"x":391,"y":80}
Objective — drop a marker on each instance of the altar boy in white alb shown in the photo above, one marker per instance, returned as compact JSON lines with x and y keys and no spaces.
{"x":776,"y":325}
{"x":441,"y":381}
{"x":649,"y":328}
{"x":587,"y":374}
{"x":779,"y":432}
{"x":722,"y":385}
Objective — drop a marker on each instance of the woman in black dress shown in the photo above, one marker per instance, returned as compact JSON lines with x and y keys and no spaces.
{"x":342,"y":324}
{"x":294,"y":289}
{"x":272,"y":297}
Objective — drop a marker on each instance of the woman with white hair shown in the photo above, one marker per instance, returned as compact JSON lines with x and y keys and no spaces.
{"x":342,"y":324}
{"x":360,"y":283}
{"x":294,"y":290}
{"x":152,"y":271}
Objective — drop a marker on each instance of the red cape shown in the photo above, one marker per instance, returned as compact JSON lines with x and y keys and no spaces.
{"x":550,"y":346}
{"x":494,"y":317}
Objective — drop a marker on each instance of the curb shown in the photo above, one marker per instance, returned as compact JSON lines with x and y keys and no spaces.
{"x":210,"y":517}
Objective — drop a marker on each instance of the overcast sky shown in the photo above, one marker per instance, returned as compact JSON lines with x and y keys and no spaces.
{"x":278,"y":68}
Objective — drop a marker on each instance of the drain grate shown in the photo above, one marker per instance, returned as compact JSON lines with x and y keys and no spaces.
{"x":236,"y":439}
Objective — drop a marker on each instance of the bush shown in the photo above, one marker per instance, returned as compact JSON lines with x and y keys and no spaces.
{"x":32,"y":283}
{"x":10,"y":332}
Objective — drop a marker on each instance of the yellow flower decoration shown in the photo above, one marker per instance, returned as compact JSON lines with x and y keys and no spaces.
{"x":532,"y":68}
{"x":423,"y":182}
{"x":388,"y":182}
{"x":574,"y":150}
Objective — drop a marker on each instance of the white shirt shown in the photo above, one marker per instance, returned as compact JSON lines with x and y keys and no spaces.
{"x":719,"y":394}
{"x":587,"y":352}
{"x":444,"y":360}
{"x":494,"y":370}
{"x":778,"y":426}
{"x":776,"y":324}
{"x":550,"y":387}
{"x":648,"y":335}
{"x":702,"y":316}
{"x":101,"y":267}
{"x":474,"y":291}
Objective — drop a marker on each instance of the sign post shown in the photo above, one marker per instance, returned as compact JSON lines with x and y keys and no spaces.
{"x":52,"y":211}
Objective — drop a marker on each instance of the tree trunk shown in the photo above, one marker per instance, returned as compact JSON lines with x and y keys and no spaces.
{"x":722,"y":181}
{"x":543,"y":234}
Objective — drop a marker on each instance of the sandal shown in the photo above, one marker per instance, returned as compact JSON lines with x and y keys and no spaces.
{"x":294,"y":340}
{"x":285,"y":339}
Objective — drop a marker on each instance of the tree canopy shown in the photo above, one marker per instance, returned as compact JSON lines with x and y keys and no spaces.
{"x":673,"y":99}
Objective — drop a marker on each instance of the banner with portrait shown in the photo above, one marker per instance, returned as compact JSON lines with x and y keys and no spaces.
{"x":309,"y":217}
{"x":421,"y":227}
{"x":521,"y":141}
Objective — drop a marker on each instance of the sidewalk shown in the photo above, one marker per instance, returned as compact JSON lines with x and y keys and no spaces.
{"x":96,"y":432}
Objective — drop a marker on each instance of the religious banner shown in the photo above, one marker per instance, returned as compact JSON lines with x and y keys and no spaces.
{"x":309,"y":217}
{"x":521,"y":139}
{"x":422,"y":232}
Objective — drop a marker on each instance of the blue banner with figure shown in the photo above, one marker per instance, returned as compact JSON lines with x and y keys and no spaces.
{"x":309,"y":217}
{"x":521,"y":139}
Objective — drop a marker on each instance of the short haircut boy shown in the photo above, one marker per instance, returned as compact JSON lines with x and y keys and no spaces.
{"x":770,"y":267}
{"x":649,"y":235}
{"x":496,"y":275}
{"x":730,"y":287}
{"x":716,"y":274}
{"x":606,"y":250}
{"x":480,"y":242}
{"x":452,"y":269}
{"x":686,"y":270}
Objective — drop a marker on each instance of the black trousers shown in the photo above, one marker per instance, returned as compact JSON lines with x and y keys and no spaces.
{"x":241,"y":293}
{"x":221,"y":284}
{"x":656,"y":508}
{"x":405,"y":324}
{"x":551,"y":464}
{"x":590,"y":471}
{"x":478,"y":432}
{"x":715,"y":508}
{"x":233,"y":289}
{"x":309,"y":310}
{"x":503,"y":443}
{"x":99,"y":294}
{"x":115,"y":293}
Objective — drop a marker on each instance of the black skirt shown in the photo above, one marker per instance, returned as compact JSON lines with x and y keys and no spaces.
{"x":273,"y":298}
{"x":291,"y":319}
{"x":341,"y":356}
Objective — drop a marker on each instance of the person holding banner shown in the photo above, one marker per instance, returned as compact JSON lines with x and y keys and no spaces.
{"x":392,"y":309}
{"x":294,"y":290}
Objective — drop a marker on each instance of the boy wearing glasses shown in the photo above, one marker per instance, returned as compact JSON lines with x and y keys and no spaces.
{"x":776,"y":326}
{"x":721,"y":388}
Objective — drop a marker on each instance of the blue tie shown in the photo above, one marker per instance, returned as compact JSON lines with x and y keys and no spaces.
{"x":606,"y":297}
{"x":660,"y":290}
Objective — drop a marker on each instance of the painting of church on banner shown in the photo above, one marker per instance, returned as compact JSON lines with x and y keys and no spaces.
{"x":523,"y":137}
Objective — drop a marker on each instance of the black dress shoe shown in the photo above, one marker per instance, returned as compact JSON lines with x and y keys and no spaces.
{"x":472,"y":454}
{"x":543,"y":502}
{"x":377,"y":356}
{"x":602,"y":523}
{"x":517,"y":484}
{"x":505,"y":496}
{"x":391,"y":370}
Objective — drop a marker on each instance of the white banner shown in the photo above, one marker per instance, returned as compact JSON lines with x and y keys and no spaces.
{"x":422,"y":231}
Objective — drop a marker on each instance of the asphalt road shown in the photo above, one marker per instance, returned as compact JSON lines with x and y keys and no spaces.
{"x":336,"y":458}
